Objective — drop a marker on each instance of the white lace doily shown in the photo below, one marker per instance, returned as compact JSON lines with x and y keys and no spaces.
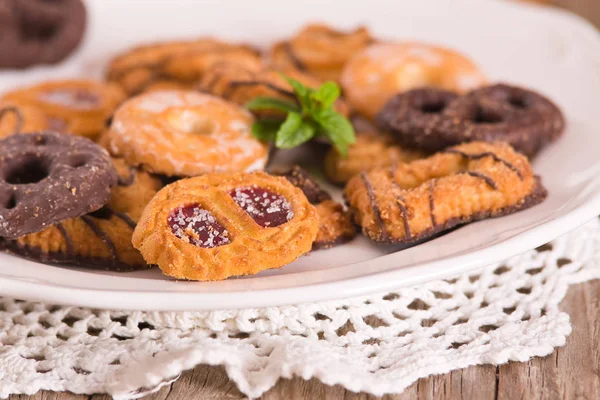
{"x":377,"y":344}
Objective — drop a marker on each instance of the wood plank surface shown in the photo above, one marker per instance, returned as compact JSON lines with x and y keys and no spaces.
{"x":571,"y":372}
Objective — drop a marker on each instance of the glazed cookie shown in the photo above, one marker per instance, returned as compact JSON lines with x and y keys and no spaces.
{"x":335,"y":222}
{"x":221,"y":225}
{"x":175,"y":63}
{"x":47,"y":177}
{"x":240,"y":85}
{"x":101,"y":239}
{"x":413,"y":201}
{"x":184,"y":133}
{"x":433,"y":119}
{"x":371,"y":150}
{"x":80,"y":107}
{"x":319,"y":50}
{"x":380,"y":71}
{"x":36,"y":32}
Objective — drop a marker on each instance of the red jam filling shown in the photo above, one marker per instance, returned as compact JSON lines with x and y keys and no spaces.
{"x":75,"y":98}
{"x":197,"y":226}
{"x":266,"y":208}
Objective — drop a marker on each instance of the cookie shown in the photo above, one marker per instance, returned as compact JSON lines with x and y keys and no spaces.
{"x":335,"y":222}
{"x":319,"y":50}
{"x":15,"y":119}
{"x":413,"y":201}
{"x":79,"y":107}
{"x":178,"y":63}
{"x":220,"y":225}
{"x":433,"y":119}
{"x":184,"y":133}
{"x":371,"y":150}
{"x":380,"y":71}
{"x":34,"y":32}
{"x":101,"y":239}
{"x":49,"y":177}
{"x":240,"y":85}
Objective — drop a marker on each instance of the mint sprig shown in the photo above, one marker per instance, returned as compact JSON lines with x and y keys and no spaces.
{"x":311,"y":115}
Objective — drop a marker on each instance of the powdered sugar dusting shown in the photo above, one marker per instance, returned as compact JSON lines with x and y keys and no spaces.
{"x":197,"y":226}
{"x":74,"y":98}
{"x":266,"y":208}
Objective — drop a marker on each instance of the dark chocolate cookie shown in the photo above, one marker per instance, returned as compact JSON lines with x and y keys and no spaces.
{"x":47,"y":177}
{"x":434,"y":119}
{"x":39,"y":31}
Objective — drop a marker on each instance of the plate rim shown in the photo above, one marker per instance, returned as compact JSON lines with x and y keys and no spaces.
{"x":333,"y":289}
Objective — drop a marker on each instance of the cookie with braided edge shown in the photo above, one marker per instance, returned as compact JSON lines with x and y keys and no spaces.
{"x":220,"y":225}
{"x":101,"y":239}
{"x":413,"y":201}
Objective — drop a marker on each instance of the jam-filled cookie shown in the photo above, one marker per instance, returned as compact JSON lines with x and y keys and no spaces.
{"x":184,"y":133}
{"x":335,"y":222}
{"x":371,"y":150}
{"x":380,"y":71}
{"x":79,"y":107}
{"x":49,"y":177}
{"x":220,"y":225}
{"x":414,"y":201}
{"x":240,"y":85}
{"x":319,"y":50}
{"x":433,"y":119}
{"x":175,"y":63}
{"x":36,"y":32}
{"x":101,"y":239}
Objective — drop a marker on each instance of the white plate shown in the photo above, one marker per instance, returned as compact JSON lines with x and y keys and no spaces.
{"x":554,"y":52}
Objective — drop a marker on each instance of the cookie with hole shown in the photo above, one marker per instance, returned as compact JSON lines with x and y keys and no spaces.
{"x":49,"y":177}
{"x":185,"y":133}
{"x":410,"y":202}
{"x":100,"y":239}
{"x":433,"y":119}
{"x":34,"y":32}
{"x":335,"y":222}
{"x":220,"y":225}
{"x":77,"y":106}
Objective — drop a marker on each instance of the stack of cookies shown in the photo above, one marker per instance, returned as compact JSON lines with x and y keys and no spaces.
{"x":161,"y":164}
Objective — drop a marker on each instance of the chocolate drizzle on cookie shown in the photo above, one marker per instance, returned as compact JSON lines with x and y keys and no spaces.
{"x":375,"y":206}
{"x":479,"y":156}
{"x":67,"y":238}
{"x":18,"y":115}
{"x":102,"y":235}
{"x":287,"y":47}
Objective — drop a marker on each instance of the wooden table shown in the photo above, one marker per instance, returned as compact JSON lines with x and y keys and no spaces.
{"x":571,"y":372}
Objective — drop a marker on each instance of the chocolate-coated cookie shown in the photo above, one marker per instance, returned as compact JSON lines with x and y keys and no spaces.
{"x":39,"y":31}
{"x":49,"y":177}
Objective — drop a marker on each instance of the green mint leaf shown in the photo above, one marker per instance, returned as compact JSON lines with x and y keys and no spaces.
{"x":326,"y":95}
{"x":271,"y":103}
{"x":266,"y":129}
{"x":293,"y":132}
{"x":337,"y":128}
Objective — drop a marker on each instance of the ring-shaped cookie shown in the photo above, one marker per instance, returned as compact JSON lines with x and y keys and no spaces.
{"x":220,"y":225}
{"x":433,"y":119}
{"x":48,"y":177}
{"x":413,"y":201}
{"x":185,"y":133}
{"x":79,"y":107}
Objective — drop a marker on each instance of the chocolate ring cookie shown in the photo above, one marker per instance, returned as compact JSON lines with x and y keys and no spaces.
{"x":39,"y":32}
{"x":335,"y":222}
{"x":433,"y":119}
{"x":101,"y":239}
{"x":48,"y":177}
{"x":413,"y":201}
{"x":80,"y":107}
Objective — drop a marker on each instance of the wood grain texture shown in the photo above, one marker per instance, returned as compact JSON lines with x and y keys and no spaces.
{"x":571,"y":372}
